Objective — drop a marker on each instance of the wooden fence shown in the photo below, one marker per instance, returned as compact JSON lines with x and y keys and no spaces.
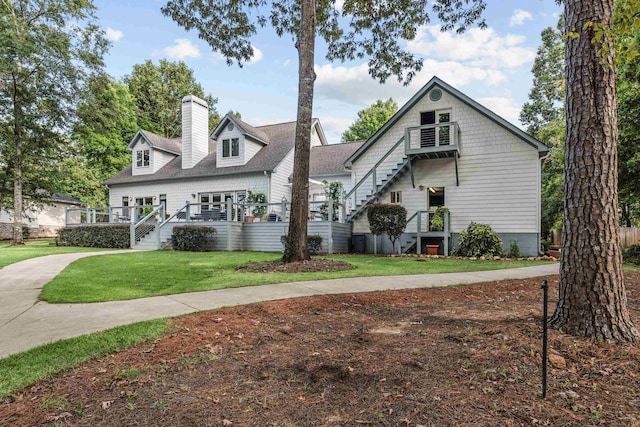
{"x":628,"y":236}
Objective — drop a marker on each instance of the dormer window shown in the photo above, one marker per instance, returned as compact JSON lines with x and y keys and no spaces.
{"x":230,"y":148}
{"x":142,"y":158}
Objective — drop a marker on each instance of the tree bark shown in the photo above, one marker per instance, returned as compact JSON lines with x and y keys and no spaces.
{"x":592,"y":299}
{"x":17,"y":169}
{"x":296,"y":247}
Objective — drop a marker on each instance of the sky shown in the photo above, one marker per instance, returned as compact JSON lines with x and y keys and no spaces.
{"x":492,"y":66}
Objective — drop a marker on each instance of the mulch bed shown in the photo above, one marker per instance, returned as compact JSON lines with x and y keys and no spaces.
{"x":311,"y":266}
{"x":465,"y":356}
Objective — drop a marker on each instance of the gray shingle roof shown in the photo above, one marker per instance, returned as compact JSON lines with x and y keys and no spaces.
{"x":172,"y":145}
{"x":329,"y":159}
{"x":281,"y":139}
{"x":256,"y":133}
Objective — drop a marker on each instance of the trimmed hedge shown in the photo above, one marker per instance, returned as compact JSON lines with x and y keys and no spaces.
{"x":632,"y":254}
{"x":95,"y":236}
{"x":479,"y":240}
{"x":193,"y":238}
{"x":314,"y":243}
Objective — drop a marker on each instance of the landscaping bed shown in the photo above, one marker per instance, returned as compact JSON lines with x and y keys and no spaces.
{"x":464,"y":355}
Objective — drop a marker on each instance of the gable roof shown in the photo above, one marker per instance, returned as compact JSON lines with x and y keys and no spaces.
{"x":327,"y":160}
{"x":257,"y":134}
{"x":436,"y":82}
{"x":170,"y":145}
{"x":281,"y":139}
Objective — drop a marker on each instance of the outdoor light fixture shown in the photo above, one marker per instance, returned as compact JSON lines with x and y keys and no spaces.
{"x":421,"y":187}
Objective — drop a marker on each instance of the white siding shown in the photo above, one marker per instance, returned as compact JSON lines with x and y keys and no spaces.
{"x":178,"y":192}
{"x":280,"y":179}
{"x":499,"y":173}
{"x":247,"y":148}
{"x":195,"y":131}
{"x":315,"y":138}
{"x":160,"y":158}
{"x":250,"y":149}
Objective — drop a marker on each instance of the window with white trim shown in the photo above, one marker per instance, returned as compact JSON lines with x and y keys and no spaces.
{"x":230,"y":148}
{"x":142,"y":158}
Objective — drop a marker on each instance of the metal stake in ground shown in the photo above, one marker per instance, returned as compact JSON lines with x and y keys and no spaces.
{"x":545,"y":290}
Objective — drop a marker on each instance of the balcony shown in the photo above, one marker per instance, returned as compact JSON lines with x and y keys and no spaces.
{"x":434,"y":141}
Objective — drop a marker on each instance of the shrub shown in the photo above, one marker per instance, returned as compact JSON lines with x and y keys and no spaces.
{"x":257,"y":211}
{"x":387,"y":218}
{"x":26,"y":232}
{"x":632,"y":254}
{"x":478,"y":240}
{"x":193,"y":238}
{"x":314,"y":243}
{"x":95,"y":236}
{"x":514,"y":249}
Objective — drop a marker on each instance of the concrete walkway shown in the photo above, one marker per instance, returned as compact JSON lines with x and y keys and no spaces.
{"x":26,"y":322}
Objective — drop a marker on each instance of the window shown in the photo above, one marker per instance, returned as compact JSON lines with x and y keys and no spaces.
{"x":144,"y":201}
{"x":142,"y":158}
{"x":428,"y":136}
{"x":230,"y":147}
{"x":396,"y":197}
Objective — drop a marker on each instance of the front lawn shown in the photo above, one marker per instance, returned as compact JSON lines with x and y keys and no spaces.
{"x":145,"y":274}
{"x":10,"y":254}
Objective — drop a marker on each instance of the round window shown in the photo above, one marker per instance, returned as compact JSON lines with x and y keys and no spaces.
{"x":230,"y":127}
{"x":435,"y":94}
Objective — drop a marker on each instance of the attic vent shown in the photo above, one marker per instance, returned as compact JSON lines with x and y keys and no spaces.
{"x":435,"y":95}
{"x":230,"y":127}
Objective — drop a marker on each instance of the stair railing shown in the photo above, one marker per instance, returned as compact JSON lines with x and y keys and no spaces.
{"x":146,"y":225}
{"x":372,"y":174}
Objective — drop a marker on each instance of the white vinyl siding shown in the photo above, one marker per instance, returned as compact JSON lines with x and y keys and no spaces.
{"x":161,"y":158}
{"x":140,"y":147}
{"x":315,"y":138}
{"x":230,"y":161}
{"x":280,"y":179}
{"x":499,"y":173}
{"x":178,"y":192}
{"x":251,"y":148}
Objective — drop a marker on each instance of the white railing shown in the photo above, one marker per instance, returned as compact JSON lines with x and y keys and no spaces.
{"x":148,"y":224}
{"x":429,"y":138}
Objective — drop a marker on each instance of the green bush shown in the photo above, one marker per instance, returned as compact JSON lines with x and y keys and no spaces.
{"x":478,"y":240}
{"x":389,"y":219}
{"x":514,"y":249}
{"x":26,"y":232}
{"x":95,"y":236}
{"x":632,"y":254}
{"x":314,"y":243}
{"x":193,"y":238}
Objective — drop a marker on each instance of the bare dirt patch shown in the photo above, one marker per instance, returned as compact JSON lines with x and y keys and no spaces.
{"x":466,"y":356}
{"x":311,"y":266}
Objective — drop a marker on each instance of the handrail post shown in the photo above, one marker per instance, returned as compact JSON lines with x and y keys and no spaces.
{"x":330,"y":215}
{"x":446,"y":233}
{"x":419,"y":229}
{"x":187,"y":212}
{"x":283,"y":210}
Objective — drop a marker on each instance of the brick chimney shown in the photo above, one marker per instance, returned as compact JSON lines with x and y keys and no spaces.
{"x":195,"y":130}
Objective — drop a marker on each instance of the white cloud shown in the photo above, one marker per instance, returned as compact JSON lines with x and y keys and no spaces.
{"x":477,"y":47}
{"x":257,"y":55}
{"x":355,"y":86}
{"x":334,"y":127}
{"x":504,"y":107}
{"x":113,"y":35}
{"x":519,"y":17}
{"x":182,"y":49}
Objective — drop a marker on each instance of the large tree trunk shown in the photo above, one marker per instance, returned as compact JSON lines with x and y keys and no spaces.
{"x":296,"y":247}
{"x":17,"y":170}
{"x":592,"y":300}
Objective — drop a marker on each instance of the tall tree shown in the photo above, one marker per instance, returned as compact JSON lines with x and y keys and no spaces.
{"x":105,"y":125}
{"x":370,"y":120}
{"x":49,"y":48}
{"x":592,"y":300}
{"x":158,"y":91}
{"x":373,"y":28}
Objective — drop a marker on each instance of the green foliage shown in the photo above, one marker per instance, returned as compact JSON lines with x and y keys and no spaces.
{"x":314,"y":243}
{"x":26,"y":232}
{"x":95,"y":236}
{"x":437,"y":221}
{"x":193,"y":238}
{"x":370,"y":120}
{"x":389,"y":219}
{"x":333,"y":191}
{"x":158,"y":91}
{"x":257,"y":211}
{"x":631,"y":254}
{"x":514,"y":249}
{"x":478,"y":240}
{"x":49,"y":50}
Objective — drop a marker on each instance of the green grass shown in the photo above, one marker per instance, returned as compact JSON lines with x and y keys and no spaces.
{"x":144,"y":274}
{"x":23,"y":369}
{"x":10,"y":254}
{"x":629,"y":266}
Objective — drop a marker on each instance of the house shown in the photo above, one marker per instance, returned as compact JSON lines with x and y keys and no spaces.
{"x":43,"y":220}
{"x":442,"y":148}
